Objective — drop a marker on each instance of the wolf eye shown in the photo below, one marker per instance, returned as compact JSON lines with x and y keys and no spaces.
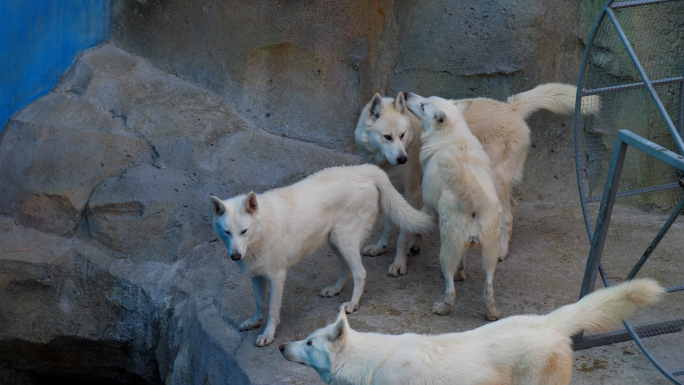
{"x":422,"y":106}
{"x":228,"y":232}
{"x":243,"y":231}
{"x":388,"y":137}
{"x":308,"y":342}
{"x":402,"y":136}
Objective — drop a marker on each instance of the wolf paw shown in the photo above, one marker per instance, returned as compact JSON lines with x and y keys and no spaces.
{"x":373,"y":250}
{"x":249,"y":324}
{"x":397,"y":269}
{"x":460,"y":275}
{"x":441,"y":308}
{"x":265,"y":339}
{"x":350,"y":307}
{"x":493,"y":316}
{"x":414,"y":250}
{"x":330,"y":291}
{"x":503,"y":255}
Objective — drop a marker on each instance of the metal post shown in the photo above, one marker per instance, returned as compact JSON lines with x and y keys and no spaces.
{"x":601,"y":228}
{"x":657,"y":240}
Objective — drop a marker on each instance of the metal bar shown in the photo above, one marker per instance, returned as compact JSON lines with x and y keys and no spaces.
{"x":637,"y":340}
{"x":637,"y":191}
{"x":623,"y":335}
{"x":627,"y":4}
{"x":604,"y":275}
{"x":656,"y":240}
{"x":601,"y":228}
{"x":655,"y":150}
{"x":680,"y":118}
{"x":631,"y":86}
{"x":581,"y":80}
{"x":675,"y":135}
{"x":601,"y":339}
{"x":673,"y":289}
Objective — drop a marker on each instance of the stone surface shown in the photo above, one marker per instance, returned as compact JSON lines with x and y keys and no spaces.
{"x":305,"y":69}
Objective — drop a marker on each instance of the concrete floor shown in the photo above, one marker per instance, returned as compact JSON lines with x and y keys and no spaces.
{"x":543,"y":271}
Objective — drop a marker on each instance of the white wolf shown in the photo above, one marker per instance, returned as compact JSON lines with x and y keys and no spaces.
{"x":458,"y":188}
{"x":388,"y":136}
{"x":268,"y":233}
{"x":499,"y":126}
{"x":518,"y":350}
{"x":505,"y":136}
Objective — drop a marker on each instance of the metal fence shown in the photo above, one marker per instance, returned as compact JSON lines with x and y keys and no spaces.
{"x":633,"y":71}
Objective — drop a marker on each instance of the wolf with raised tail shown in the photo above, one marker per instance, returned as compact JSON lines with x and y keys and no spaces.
{"x":268,"y":233}
{"x":389,"y":136}
{"x":518,"y":350}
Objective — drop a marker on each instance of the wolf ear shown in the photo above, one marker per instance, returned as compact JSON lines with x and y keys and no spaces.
{"x":400,"y":103}
{"x":219,"y":209}
{"x":374,"y":109}
{"x":251,"y":205}
{"x":338,"y":331}
{"x":462,"y":104}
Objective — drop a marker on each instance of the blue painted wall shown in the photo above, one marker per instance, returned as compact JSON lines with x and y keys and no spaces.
{"x":39,"y":40}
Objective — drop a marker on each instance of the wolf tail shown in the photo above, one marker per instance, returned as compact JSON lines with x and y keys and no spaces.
{"x":399,"y":211}
{"x":555,"y":97}
{"x":603,"y":309}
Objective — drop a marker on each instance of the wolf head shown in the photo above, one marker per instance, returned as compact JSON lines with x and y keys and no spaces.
{"x":233,"y":220}
{"x":321,"y":347}
{"x":436,"y":113}
{"x":384,"y":130}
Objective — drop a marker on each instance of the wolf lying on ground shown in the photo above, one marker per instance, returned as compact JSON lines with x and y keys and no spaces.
{"x":518,"y":350}
{"x":268,"y":233}
{"x":499,"y":126}
{"x":458,"y":188}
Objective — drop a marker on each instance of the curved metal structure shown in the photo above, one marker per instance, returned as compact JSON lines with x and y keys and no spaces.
{"x":633,"y":67}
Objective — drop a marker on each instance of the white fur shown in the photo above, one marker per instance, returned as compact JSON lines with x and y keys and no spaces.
{"x":458,"y":188}
{"x":268,"y":233}
{"x":384,"y":118}
{"x":499,"y":126}
{"x":505,"y":137}
{"x":518,"y":350}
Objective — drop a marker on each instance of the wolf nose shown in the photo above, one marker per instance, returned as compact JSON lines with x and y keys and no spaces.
{"x":281,"y":347}
{"x":236,"y":256}
{"x":401,"y":159}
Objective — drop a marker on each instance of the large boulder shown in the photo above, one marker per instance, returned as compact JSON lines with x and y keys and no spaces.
{"x":109,"y":265}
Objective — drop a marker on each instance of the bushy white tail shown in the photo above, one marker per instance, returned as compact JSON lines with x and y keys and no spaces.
{"x":400,"y":212}
{"x":604,"y":309}
{"x":555,"y":97}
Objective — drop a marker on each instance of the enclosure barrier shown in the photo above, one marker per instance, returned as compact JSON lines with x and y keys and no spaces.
{"x":614,"y":81}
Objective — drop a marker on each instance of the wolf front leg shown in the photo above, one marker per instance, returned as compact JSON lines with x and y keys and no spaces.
{"x":277,"y":284}
{"x":259,"y":285}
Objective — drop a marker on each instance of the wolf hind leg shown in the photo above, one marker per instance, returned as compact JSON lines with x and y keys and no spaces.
{"x":345,"y":275}
{"x":490,"y":253}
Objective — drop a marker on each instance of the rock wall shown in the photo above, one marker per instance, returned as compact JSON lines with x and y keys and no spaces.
{"x":305,"y":69}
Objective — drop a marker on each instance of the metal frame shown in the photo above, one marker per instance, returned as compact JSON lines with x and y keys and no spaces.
{"x":624,"y":140}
